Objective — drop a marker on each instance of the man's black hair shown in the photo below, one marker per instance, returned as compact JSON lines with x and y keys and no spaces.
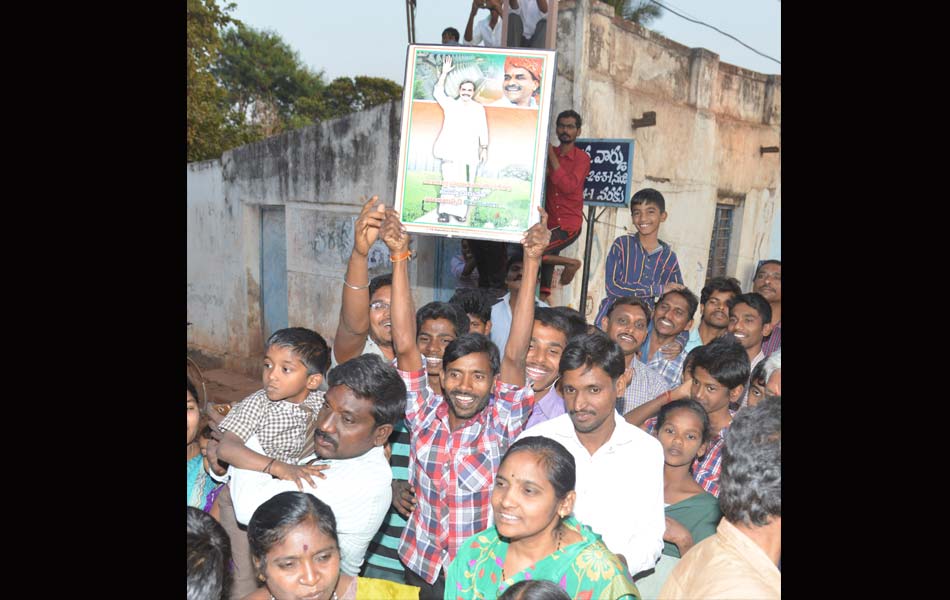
{"x":443,"y":310}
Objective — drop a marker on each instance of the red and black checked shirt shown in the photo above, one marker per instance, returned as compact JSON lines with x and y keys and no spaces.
{"x":452,"y":472}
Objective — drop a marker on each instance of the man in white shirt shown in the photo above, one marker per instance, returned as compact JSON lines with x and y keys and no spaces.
{"x":365,"y":397}
{"x":501,"y":310}
{"x":527,"y":23}
{"x":619,"y":466}
{"x":487,"y":32}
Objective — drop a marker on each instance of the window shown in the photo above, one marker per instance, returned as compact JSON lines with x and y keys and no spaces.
{"x":721,"y":240}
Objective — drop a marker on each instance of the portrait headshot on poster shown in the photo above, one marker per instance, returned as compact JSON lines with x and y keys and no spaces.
{"x":474,"y":140}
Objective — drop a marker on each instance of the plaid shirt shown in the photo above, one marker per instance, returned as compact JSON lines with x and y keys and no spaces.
{"x":646,"y":385}
{"x":452,"y":472}
{"x":705,"y":471}
{"x":280,"y":426}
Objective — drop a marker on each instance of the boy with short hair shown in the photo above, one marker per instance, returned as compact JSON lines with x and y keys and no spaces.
{"x":720,"y":374}
{"x":641,"y":264}
{"x":749,"y":322}
{"x":294,"y":366}
{"x":550,"y":334}
{"x":477,"y":305}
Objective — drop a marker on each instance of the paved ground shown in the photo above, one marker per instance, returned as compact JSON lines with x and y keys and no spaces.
{"x":229,"y":386}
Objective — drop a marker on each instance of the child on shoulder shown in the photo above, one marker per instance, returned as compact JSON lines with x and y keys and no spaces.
{"x":279,"y":415}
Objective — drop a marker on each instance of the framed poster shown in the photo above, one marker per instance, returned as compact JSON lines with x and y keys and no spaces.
{"x":611,"y":169}
{"x":474,"y":140}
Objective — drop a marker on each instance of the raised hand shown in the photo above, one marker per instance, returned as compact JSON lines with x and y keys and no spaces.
{"x":537,"y":237}
{"x":671,"y":349}
{"x":393,"y":233}
{"x":366,"y":229}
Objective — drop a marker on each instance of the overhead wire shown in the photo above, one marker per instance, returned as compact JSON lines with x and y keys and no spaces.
{"x":715,"y":29}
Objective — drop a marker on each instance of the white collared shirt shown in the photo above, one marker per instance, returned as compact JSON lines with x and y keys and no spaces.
{"x":484,"y":35}
{"x":358,"y":490}
{"x":619,"y":488}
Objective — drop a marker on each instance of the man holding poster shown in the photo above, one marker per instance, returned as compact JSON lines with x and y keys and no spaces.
{"x":462,"y":144}
{"x":568,"y":167}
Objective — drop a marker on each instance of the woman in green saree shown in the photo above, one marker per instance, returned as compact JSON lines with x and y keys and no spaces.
{"x":533,"y":536}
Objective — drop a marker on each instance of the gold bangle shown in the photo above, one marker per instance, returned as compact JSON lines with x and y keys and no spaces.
{"x":398,"y":257}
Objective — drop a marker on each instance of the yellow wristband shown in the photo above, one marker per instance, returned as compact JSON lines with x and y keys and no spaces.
{"x":398,"y":257}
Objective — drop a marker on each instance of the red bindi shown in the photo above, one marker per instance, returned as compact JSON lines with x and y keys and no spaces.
{"x":305,"y":546}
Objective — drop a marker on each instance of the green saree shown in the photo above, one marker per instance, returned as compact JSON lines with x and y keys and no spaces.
{"x":586,"y":570}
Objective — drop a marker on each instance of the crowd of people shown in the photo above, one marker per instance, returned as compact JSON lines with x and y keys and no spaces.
{"x":494,"y":446}
{"x":468,"y":447}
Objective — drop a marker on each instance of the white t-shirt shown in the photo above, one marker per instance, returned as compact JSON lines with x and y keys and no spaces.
{"x":358,"y":490}
{"x":619,"y":488}
{"x":530,"y":15}
{"x":484,"y":35}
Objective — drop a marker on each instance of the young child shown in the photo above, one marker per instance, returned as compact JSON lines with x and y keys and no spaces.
{"x":641,"y":264}
{"x":280,"y":414}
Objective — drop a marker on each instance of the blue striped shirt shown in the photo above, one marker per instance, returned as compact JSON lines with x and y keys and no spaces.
{"x":632,"y":271}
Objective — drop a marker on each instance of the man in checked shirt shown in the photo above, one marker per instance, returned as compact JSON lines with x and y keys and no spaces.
{"x":458,"y":441}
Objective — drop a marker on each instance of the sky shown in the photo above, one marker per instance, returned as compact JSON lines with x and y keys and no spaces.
{"x":369,"y":37}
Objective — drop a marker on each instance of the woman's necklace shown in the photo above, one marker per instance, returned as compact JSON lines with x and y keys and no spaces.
{"x":560,"y":532}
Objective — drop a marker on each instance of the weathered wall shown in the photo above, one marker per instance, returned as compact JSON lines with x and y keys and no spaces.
{"x":318,"y":174}
{"x":223,"y":300}
{"x":712,"y":118}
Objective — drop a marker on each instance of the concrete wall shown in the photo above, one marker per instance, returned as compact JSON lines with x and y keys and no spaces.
{"x":318,"y":174}
{"x":712,"y":118}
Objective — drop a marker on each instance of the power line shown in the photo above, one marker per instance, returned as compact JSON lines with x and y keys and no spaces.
{"x":716,"y":29}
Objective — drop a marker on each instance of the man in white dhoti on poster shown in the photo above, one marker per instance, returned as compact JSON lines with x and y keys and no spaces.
{"x":462,"y":145}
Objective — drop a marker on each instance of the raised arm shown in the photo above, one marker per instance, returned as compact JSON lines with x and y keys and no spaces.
{"x":354,"y":310}
{"x":640,"y":414}
{"x":402,"y":310}
{"x":467,"y":37}
{"x":439,"y":91}
{"x":535,"y":240}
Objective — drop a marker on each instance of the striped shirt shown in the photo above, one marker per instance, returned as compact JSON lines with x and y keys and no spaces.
{"x":383,"y":552}
{"x":670,"y":369}
{"x":706,"y":468}
{"x":632,"y":271}
{"x":452,"y":472}
{"x":280,"y":426}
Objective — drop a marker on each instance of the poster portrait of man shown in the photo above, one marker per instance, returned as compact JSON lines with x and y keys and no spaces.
{"x":473,"y":140}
